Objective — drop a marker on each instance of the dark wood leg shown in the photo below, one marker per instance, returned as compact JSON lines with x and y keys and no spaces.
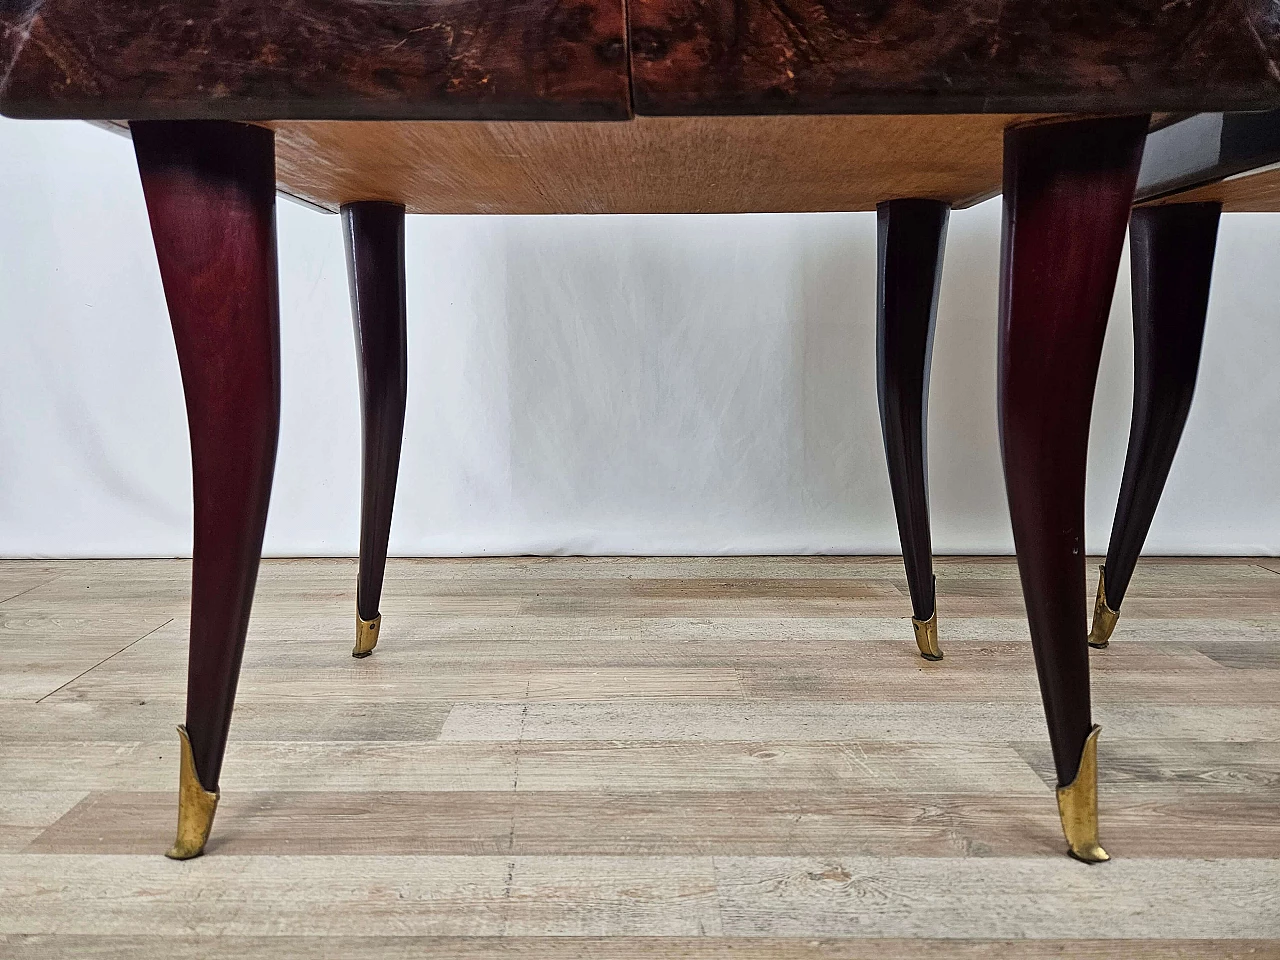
{"x":374,"y":234}
{"x":210,"y":192}
{"x":1067,"y":192}
{"x":1171,"y":254}
{"x":911,"y":238}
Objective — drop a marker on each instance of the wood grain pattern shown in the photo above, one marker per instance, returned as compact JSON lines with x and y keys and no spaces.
{"x":87,"y":718}
{"x":1247,"y":193}
{"x":1171,"y":260}
{"x":781,"y":822}
{"x":373,"y":238}
{"x":1000,"y":897}
{"x":771,"y":722}
{"x":26,"y":814}
{"x":661,"y":896}
{"x":34,"y":660}
{"x":276,"y":59}
{"x":658,"y":774}
{"x":1068,"y":189}
{"x":911,"y":235}
{"x":957,"y":56}
{"x":188,"y":947}
{"x":210,"y":196}
{"x":996,"y":898}
{"x":576,"y":59}
{"x":1245,"y":656}
{"x":19,"y":576}
{"x":650,"y":165}
{"x":1179,"y":768}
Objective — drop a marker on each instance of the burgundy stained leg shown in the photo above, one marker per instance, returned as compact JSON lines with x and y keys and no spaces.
{"x":912,"y":234}
{"x":1171,"y":255}
{"x":1068,"y":188}
{"x":374,"y":234}
{"x":210,"y":193}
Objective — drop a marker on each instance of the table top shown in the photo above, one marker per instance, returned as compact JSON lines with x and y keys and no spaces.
{"x":590,"y":60}
{"x":493,"y":106}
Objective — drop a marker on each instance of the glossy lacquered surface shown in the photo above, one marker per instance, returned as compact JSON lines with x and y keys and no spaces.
{"x":599,"y":59}
{"x":1171,"y":257}
{"x":373,"y":234}
{"x":912,"y":234}
{"x":323,"y":59}
{"x":951,"y":56}
{"x":210,"y":193}
{"x":1067,"y":193}
{"x":1206,"y":149}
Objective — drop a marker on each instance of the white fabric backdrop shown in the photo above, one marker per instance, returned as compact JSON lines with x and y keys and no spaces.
{"x":577,"y":384}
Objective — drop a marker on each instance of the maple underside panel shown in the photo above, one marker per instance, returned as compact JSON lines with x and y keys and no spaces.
{"x":647,"y":165}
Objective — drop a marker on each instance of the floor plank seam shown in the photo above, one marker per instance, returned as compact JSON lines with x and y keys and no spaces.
{"x":23,"y":593}
{"x":104,"y":660}
{"x":716,"y":879}
{"x":515,"y":775}
{"x":820,"y":806}
{"x":509,"y":882}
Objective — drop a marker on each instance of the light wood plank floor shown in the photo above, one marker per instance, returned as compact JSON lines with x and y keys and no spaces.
{"x":650,"y":758}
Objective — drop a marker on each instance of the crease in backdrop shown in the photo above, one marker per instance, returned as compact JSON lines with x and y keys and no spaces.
{"x":613,"y":385}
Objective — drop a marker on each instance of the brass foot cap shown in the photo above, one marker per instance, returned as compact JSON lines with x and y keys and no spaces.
{"x":366,"y":636}
{"x":1078,"y":806}
{"x":196,"y":806}
{"x":1104,"y":618}
{"x":927,"y":636}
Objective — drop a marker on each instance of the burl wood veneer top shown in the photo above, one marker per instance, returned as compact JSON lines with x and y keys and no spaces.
{"x":337,"y":59}
{"x":723,"y":96}
{"x":610,"y":59}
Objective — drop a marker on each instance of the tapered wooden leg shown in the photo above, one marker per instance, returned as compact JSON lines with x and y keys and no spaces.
{"x":1171,"y":255}
{"x":911,"y":235}
{"x":1067,"y":192}
{"x":374,"y":234}
{"x":210,"y":192}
